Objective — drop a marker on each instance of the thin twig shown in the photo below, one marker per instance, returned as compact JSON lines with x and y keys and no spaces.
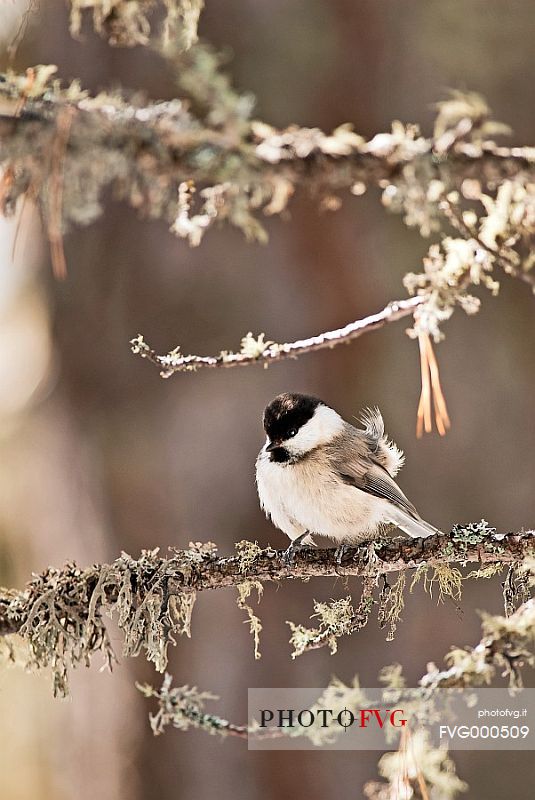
{"x":175,"y":362}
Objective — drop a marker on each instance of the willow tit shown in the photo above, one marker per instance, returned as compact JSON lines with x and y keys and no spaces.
{"x":317,"y":474}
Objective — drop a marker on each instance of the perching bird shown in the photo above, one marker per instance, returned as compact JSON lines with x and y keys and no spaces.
{"x":318,"y":475}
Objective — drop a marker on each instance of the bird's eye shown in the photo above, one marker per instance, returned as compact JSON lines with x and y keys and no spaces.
{"x":292,"y":432}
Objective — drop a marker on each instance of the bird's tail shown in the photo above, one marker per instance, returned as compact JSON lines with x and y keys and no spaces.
{"x":415,"y":527}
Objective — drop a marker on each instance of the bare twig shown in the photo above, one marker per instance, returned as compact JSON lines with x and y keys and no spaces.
{"x":175,"y":362}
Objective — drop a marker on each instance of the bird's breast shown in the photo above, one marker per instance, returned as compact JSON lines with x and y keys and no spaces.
{"x":313,"y":495}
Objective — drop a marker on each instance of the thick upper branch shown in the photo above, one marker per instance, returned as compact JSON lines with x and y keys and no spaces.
{"x":149,"y":151}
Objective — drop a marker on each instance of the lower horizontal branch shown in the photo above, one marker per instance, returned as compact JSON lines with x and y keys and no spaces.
{"x":200,"y":569}
{"x":392,"y":556}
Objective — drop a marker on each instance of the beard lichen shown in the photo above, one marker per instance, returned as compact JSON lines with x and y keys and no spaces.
{"x":59,"y":623}
{"x":182,"y":707}
{"x":448,"y":580}
{"x":60,"y":615}
{"x":335,"y":619}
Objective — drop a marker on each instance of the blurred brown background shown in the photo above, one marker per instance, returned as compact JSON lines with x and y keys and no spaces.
{"x":99,"y":454}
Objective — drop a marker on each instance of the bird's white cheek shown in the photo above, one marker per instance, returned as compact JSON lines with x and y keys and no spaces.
{"x":324,"y":426}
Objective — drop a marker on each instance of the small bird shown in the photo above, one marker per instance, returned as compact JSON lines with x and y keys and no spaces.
{"x":319,"y":475}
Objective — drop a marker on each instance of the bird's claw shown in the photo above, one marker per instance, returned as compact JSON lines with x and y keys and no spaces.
{"x":295,"y":546}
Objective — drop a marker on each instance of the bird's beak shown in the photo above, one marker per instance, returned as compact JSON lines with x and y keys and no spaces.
{"x":272,"y":446}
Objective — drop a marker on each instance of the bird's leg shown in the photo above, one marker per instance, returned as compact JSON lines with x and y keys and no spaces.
{"x":339,"y":553}
{"x":295,"y":546}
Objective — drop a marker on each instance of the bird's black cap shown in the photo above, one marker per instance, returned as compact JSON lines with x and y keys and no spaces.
{"x":286,"y":412}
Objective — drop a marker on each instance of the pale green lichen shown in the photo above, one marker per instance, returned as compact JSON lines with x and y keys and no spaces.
{"x":335,"y":619}
{"x":61,"y":613}
{"x":445,"y":578}
{"x":472,"y":533}
{"x":247,"y":553}
{"x":254,"y":346}
{"x":485,"y":572}
{"x":255,"y":625}
{"x":182,"y":707}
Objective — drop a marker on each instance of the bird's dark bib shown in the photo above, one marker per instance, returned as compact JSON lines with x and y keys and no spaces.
{"x":280,"y":456}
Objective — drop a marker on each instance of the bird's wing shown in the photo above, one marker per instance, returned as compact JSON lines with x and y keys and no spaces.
{"x":365,"y":472}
